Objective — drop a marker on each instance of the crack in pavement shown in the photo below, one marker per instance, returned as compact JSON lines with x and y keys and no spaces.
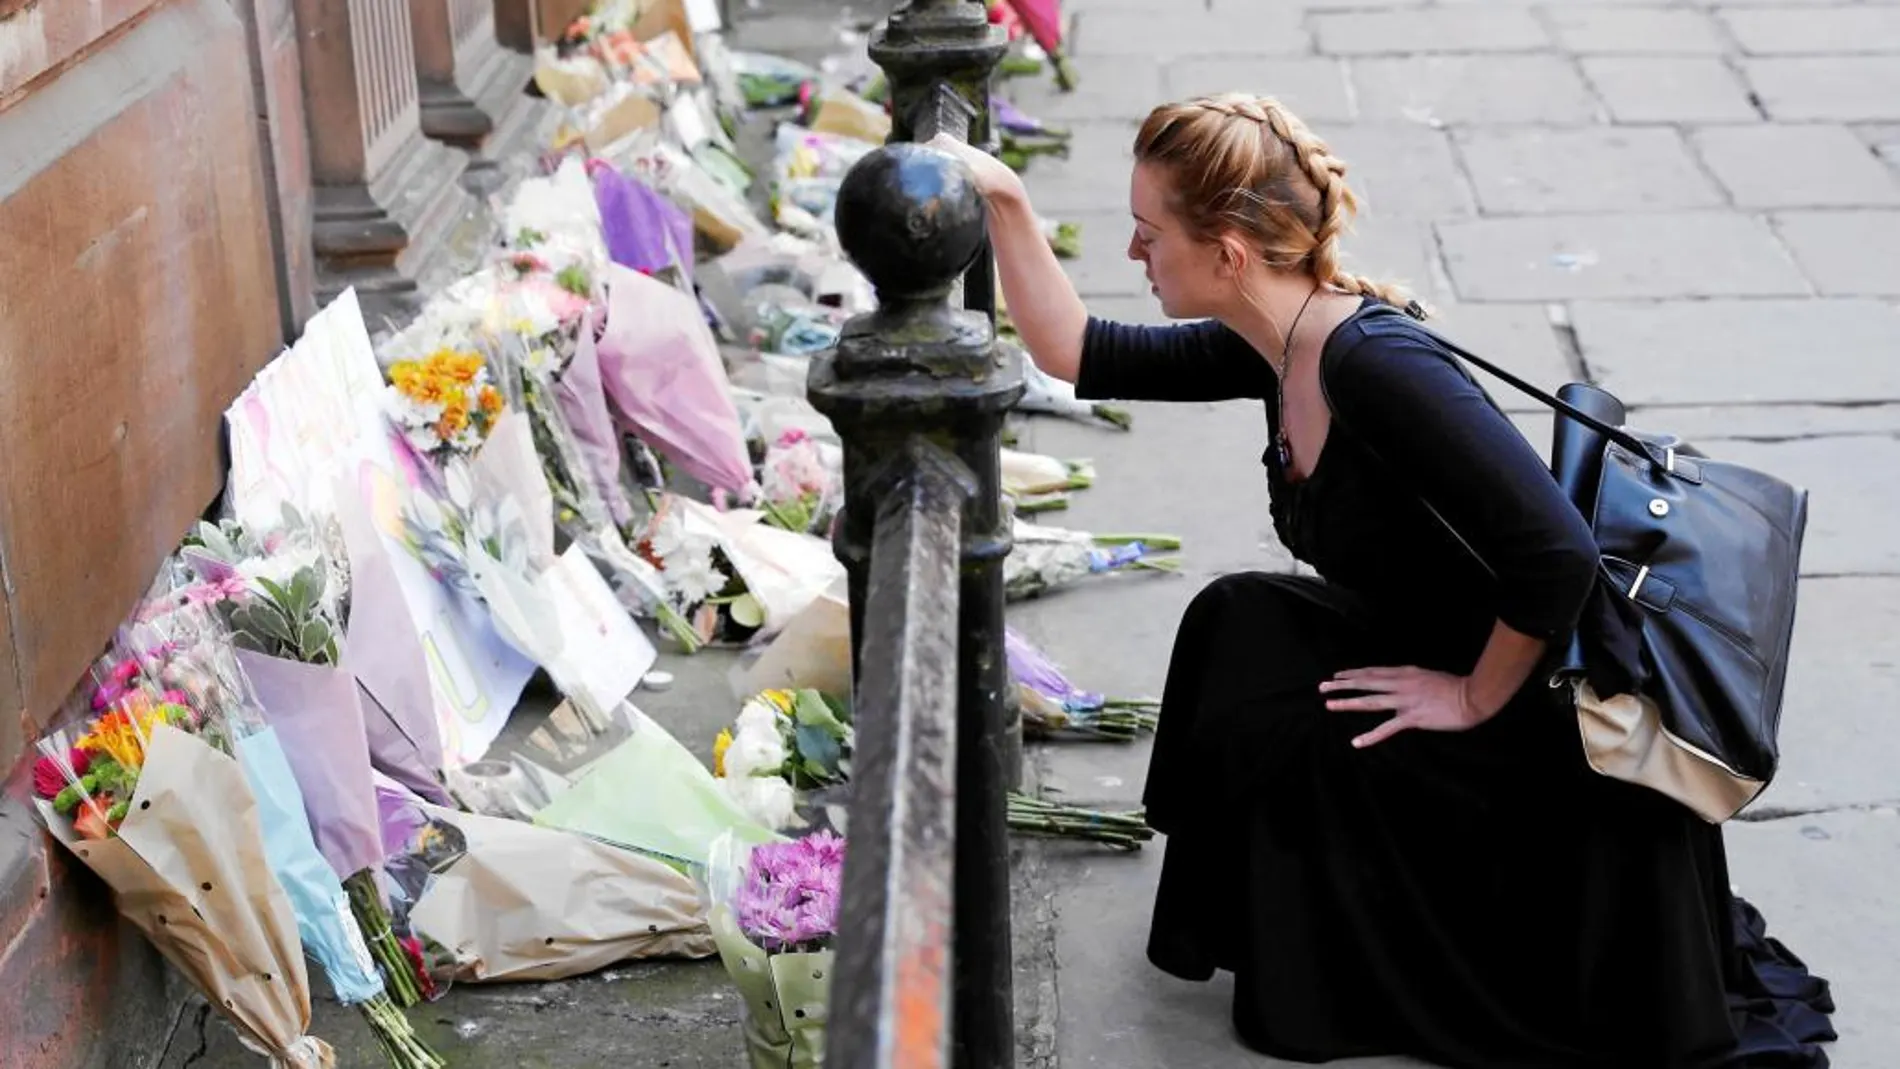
{"x":204,"y":1040}
{"x":1771,"y":814}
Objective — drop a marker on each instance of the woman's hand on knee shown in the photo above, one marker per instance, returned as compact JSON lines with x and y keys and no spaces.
{"x":1417,"y":698}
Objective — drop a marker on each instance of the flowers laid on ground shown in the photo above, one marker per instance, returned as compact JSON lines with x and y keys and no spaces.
{"x":444,"y":403}
{"x":1053,"y":707}
{"x":1049,"y":558}
{"x":802,"y":485}
{"x":280,"y":592}
{"x":783,"y":742}
{"x":775,"y":921}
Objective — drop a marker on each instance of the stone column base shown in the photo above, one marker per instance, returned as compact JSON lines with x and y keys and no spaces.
{"x":385,"y":238}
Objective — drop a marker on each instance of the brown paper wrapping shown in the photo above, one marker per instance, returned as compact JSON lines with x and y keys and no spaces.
{"x":189,"y":870}
{"x":532,"y":903}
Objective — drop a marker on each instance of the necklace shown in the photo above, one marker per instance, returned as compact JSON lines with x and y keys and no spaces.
{"x":1280,"y":443}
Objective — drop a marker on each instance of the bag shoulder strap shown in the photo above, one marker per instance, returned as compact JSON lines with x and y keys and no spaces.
{"x":1617,"y":434}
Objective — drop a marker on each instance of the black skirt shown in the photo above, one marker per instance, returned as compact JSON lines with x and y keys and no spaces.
{"x":1479,"y":899}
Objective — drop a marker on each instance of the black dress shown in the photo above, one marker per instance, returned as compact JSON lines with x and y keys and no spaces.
{"x":1479,"y":899}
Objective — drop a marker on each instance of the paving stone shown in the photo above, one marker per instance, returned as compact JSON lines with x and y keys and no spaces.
{"x":1516,"y":337}
{"x":1472,"y":89}
{"x":1826,"y":885}
{"x":1781,"y":165}
{"x":1540,"y":169}
{"x":1641,"y":89}
{"x":1843,"y":681}
{"x":1769,"y":422}
{"x":1673,"y":254}
{"x":1191,"y":30}
{"x":1742,"y":352}
{"x":1815,"y":31}
{"x":1854,"y":502}
{"x":1121,"y":87}
{"x":1846,"y":252}
{"x":1315,"y":88}
{"x":1093,"y":177}
{"x":1410,"y":32}
{"x":1104,"y":269}
{"x":1636,"y":30}
{"x":1401,"y":252}
{"x":1834,"y":89}
{"x":1402,"y":172}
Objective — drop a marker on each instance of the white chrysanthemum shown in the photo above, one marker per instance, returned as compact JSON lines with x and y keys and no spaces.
{"x":694,"y":579}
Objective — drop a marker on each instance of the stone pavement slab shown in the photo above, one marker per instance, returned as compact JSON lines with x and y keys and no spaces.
{"x":1846,"y":253}
{"x":1827,"y":884}
{"x":1537,"y":169}
{"x":1094,"y":175}
{"x":1456,"y":89}
{"x":1183,"y":29}
{"x":1769,"y":422}
{"x":1772,"y":31}
{"x":1742,"y":351}
{"x":1635,"y":30}
{"x":1796,"y":166}
{"x":1843,"y":686}
{"x":1400,"y":172}
{"x":1315,"y":88}
{"x":1670,"y":89}
{"x":1437,"y":29}
{"x":1675,"y":254}
{"x":1827,"y":88}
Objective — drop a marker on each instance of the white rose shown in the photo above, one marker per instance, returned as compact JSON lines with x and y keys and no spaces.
{"x":755,"y":750}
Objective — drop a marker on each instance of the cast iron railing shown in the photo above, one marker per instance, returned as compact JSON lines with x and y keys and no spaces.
{"x":917,"y":391}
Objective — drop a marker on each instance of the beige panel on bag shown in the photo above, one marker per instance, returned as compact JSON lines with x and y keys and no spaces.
{"x":1624,"y":738}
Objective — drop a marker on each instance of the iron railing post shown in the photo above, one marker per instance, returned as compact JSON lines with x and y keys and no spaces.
{"x":926,"y":48}
{"x":912,"y":221}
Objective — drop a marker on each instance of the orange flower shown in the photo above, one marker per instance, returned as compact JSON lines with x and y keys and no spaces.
{"x":490,"y":401}
{"x":91,"y":820}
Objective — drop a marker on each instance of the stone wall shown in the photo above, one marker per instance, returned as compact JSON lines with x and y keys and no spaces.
{"x":181,"y":181}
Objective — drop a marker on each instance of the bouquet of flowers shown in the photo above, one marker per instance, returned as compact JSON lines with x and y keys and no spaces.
{"x":445,"y":403}
{"x":288,"y":639}
{"x":1049,"y":558}
{"x":142,"y":799}
{"x":783,"y":742}
{"x":1042,"y":483}
{"x":801,"y":483}
{"x":187,"y":648}
{"x":775,"y":920}
{"x":1053,"y":707}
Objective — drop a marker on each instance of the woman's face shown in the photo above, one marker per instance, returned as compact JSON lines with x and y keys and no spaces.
{"x":1184,"y":273}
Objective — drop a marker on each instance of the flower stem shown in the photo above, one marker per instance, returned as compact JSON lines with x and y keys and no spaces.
{"x":399,"y":974}
{"x":401,"y":1047}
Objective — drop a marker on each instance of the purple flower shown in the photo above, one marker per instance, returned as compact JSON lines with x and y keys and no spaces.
{"x":790,"y":895}
{"x":1031,"y":668}
{"x":1013,"y":119}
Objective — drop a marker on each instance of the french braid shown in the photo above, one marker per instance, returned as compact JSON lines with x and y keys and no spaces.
{"x":1300,"y":219}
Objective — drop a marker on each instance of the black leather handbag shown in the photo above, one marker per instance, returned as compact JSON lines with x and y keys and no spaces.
{"x":1680,"y":659}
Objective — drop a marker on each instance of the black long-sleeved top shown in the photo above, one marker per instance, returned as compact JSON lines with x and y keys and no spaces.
{"x":1412,"y":433}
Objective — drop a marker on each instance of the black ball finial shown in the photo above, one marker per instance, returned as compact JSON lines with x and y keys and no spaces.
{"x":910,"y":217}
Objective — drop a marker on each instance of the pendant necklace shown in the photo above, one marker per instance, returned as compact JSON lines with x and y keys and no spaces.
{"x":1280,"y":443}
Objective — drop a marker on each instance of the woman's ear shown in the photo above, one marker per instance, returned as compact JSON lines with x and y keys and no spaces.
{"x":1233,"y":256}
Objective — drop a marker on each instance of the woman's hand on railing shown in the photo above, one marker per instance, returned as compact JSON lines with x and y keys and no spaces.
{"x":994,"y":179}
{"x":1042,"y":301}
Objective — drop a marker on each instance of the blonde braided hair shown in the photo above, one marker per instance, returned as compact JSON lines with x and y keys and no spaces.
{"x":1247,"y":163}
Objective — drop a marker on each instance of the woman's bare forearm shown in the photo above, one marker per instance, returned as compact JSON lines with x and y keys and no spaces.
{"x":1042,"y":301}
{"x":1508,"y":660}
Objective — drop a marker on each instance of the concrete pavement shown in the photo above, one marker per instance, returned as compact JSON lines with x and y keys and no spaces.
{"x":1692,"y":203}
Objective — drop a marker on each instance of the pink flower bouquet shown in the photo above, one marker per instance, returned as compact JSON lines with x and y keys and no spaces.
{"x":775,"y":919}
